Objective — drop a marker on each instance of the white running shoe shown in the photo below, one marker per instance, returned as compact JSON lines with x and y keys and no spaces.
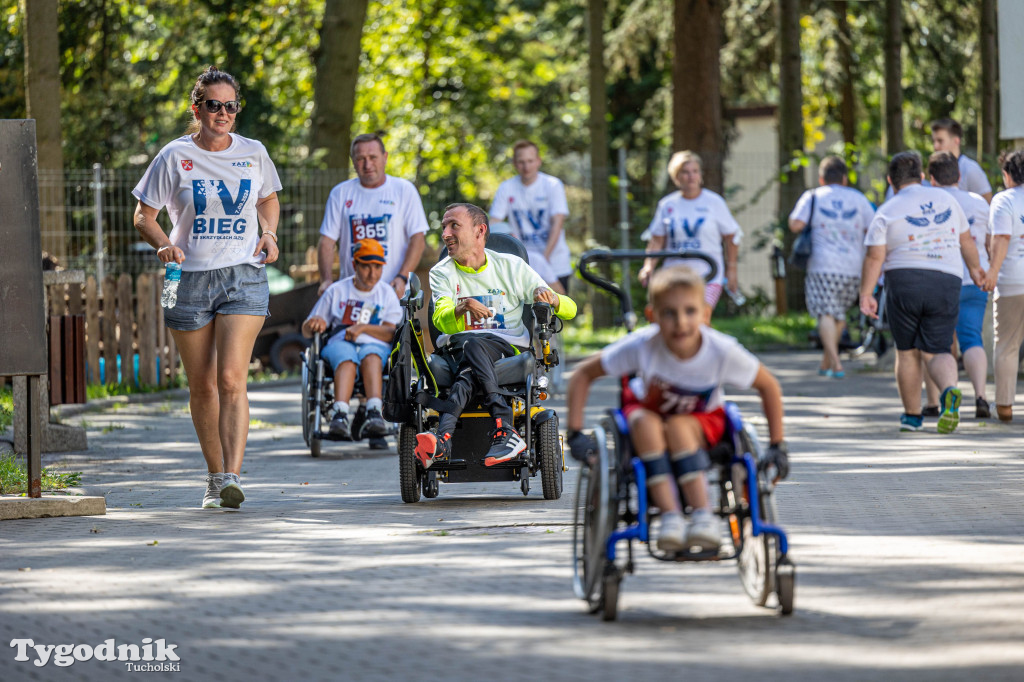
{"x":671,"y":532}
{"x":705,"y":531}
{"x":214,"y":482}
{"x":231,"y":494}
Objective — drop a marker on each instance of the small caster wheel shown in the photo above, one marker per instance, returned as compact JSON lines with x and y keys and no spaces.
{"x":785,"y":585}
{"x":430,"y":485}
{"x":610,"y":605}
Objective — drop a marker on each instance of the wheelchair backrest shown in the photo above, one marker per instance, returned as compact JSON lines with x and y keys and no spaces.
{"x":502,"y":243}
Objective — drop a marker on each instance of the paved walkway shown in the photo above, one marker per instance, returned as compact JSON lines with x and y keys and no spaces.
{"x":909,"y":552}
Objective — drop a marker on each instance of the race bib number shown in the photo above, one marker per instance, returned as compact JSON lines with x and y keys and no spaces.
{"x":370,"y":227}
{"x":496,"y":317}
{"x":665,"y":399}
{"x":354,"y":312}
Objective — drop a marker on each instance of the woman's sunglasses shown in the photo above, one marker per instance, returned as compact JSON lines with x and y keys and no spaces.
{"x":213,"y":106}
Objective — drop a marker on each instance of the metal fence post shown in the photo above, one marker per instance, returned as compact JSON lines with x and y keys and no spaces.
{"x":97,"y":186}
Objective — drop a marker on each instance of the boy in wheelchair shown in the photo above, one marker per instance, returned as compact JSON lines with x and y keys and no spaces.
{"x":361,"y":312}
{"x":674,"y":404}
{"x":478,"y":297}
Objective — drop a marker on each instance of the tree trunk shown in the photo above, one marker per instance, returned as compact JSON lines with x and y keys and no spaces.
{"x":696,"y":77}
{"x":601,"y":227}
{"x":893,"y":129}
{"x":791,"y":136}
{"x":847,"y":103}
{"x":337,"y":72}
{"x":42,"y":102}
{"x":988,"y":141}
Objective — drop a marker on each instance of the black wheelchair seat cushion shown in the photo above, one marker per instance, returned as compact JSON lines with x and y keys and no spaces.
{"x":509,"y":371}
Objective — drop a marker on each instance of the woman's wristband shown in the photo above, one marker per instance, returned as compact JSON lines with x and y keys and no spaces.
{"x":403,"y":277}
{"x":272,"y":234}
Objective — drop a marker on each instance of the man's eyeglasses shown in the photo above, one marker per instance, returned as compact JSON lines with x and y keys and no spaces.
{"x":213,"y":106}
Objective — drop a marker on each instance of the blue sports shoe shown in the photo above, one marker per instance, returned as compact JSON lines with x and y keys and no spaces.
{"x":949,"y":418}
{"x":911,"y":422}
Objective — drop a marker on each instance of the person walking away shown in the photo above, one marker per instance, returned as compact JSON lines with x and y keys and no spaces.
{"x":945,"y":174}
{"x":840,"y":219}
{"x":1006,"y":272}
{"x":918,"y":238}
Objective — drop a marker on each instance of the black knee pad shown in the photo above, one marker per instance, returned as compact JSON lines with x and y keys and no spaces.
{"x":689,"y":465}
{"x":656,"y":466}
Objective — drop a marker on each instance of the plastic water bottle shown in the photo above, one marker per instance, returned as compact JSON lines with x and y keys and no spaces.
{"x":737,"y":296}
{"x":172,"y":277}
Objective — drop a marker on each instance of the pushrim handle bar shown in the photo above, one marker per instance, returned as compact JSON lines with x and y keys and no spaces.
{"x":608,"y":256}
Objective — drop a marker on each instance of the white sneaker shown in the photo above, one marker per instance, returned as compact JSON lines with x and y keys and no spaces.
{"x":231,"y":494}
{"x":705,"y":531}
{"x":214,"y":482}
{"x":671,"y":532}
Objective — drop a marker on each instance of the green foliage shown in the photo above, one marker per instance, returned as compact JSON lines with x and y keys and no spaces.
{"x":14,"y":476}
{"x":454,"y":84}
{"x":6,"y":408}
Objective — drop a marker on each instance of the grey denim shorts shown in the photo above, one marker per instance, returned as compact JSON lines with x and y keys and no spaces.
{"x":237,"y":290}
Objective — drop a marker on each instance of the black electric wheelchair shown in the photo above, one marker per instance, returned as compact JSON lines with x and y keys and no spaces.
{"x":522,"y":379}
{"x":611,"y":503}
{"x":318,"y":392}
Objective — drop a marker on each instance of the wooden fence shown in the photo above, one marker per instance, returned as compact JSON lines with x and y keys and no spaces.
{"x":123,"y":320}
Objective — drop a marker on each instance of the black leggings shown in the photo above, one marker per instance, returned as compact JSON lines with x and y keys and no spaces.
{"x":475,"y":359}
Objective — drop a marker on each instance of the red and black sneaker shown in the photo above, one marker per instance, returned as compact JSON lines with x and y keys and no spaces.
{"x":429,"y":447}
{"x":506,"y":444}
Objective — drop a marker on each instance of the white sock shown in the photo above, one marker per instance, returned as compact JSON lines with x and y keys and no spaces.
{"x":341,"y":408}
{"x":374,"y":404}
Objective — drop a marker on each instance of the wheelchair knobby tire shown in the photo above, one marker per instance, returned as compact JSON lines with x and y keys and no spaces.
{"x":549,"y":455}
{"x":757,"y":559}
{"x":408,"y":472}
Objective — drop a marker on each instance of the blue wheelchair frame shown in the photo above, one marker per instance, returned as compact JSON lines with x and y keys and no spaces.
{"x":640,"y":529}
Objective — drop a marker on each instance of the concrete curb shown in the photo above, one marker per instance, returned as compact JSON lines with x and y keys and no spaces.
{"x":50,"y":506}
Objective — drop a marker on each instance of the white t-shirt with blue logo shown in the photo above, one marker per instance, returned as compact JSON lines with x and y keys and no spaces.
{"x":976,"y":209}
{"x":344,"y":305}
{"x":695,"y":225}
{"x":1006,"y":217}
{"x":211,"y":199}
{"x":841,"y":218}
{"x":529,"y":209}
{"x":391,"y":213}
{"x":667,"y":384}
{"x":920,"y":229}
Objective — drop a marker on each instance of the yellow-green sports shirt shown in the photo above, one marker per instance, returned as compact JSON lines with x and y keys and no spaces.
{"x":503,"y":284}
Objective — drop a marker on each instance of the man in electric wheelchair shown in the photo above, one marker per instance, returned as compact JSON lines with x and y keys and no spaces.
{"x":361,"y":312}
{"x":478,"y":296}
{"x":674,"y":404}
